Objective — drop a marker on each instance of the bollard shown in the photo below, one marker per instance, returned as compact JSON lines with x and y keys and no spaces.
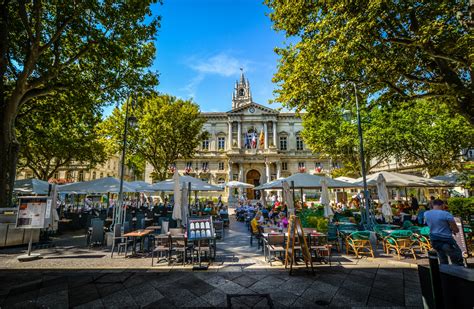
{"x":435,"y":280}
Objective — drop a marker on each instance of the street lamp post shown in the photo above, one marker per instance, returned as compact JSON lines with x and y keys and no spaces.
{"x":366,"y":218}
{"x":118,"y":215}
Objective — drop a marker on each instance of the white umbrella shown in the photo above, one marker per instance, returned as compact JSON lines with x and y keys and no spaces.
{"x":238,"y":184}
{"x":288,"y":197}
{"x":177,"y":197}
{"x":196,"y":184}
{"x":325,"y":199}
{"x":307,"y":181}
{"x":393,"y":179}
{"x":31,"y":186}
{"x":141,"y":186}
{"x":184,"y":204}
{"x":383,"y":198}
{"x":102,"y":185}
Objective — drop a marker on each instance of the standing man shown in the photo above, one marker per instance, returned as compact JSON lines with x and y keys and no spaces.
{"x":442,"y":228}
{"x":414,"y":203}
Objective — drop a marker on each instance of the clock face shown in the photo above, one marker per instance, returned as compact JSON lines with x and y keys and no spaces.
{"x":252,"y":110}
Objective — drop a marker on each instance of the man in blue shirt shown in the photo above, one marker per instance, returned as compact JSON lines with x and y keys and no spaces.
{"x":442,"y":228}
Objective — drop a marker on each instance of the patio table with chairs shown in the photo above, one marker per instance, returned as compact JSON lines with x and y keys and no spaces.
{"x":137,"y":234}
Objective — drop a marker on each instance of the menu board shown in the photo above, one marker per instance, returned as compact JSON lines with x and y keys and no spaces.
{"x":200,"y":228}
{"x":461,"y":238}
{"x":32,"y":211}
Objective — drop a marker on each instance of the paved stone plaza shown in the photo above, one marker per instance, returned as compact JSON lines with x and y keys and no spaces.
{"x":71,"y":275}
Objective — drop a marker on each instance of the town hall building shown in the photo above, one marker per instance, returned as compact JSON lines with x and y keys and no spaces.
{"x":250,"y":143}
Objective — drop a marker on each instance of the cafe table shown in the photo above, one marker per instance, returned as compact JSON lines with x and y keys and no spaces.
{"x":137,"y":234}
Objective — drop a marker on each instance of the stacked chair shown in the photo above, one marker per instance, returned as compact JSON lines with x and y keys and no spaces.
{"x":401,"y":241}
{"x":359,"y":243}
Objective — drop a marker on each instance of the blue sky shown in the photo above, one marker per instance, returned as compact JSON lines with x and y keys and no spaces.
{"x":202,"y":44}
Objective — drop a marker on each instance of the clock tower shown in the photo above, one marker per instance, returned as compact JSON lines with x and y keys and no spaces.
{"x":241,"y":95}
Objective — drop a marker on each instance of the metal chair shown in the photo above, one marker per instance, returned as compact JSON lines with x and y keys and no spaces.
{"x":97,"y":232}
{"x":162,"y":245}
{"x":119,"y":241}
{"x":219,"y":229}
{"x":275,"y":243}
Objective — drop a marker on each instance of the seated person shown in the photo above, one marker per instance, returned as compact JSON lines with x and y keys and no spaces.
{"x":283,"y":221}
{"x":255,"y":226}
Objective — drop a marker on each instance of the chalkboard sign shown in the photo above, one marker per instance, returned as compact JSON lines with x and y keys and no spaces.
{"x":295,"y":229}
{"x":461,"y":238}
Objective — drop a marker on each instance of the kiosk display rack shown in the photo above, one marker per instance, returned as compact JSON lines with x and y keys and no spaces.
{"x":199,"y":229}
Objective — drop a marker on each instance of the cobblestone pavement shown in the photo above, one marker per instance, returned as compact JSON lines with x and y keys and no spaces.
{"x":71,"y":275}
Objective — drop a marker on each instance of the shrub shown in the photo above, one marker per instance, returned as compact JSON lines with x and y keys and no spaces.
{"x":462,"y":207}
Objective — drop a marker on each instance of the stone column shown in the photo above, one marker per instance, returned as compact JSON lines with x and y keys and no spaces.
{"x":278,"y":166}
{"x":267,"y":171}
{"x":239,"y":135}
{"x":275,"y":134}
{"x":229,"y":136}
{"x":241,"y":172}
{"x":265,"y":132}
{"x":229,"y":168}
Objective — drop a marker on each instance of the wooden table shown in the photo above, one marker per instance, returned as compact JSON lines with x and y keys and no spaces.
{"x":137,"y":234}
{"x":153,"y":227}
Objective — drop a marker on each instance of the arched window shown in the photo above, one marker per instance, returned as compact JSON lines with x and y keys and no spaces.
{"x":241,"y":92}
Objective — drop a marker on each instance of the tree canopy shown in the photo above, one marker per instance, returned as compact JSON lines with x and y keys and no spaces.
{"x":168,"y":129}
{"x":97,"y":47}
{"x":420,"y":133}
{"x":395,"y":51}
{"x":58,"y":135}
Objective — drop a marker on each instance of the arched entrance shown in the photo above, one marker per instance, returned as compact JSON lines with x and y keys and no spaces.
{"x":253,"y":178}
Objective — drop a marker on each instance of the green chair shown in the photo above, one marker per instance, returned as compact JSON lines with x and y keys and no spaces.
{"x":406,"y":225}
{"x":359,"y":243}
{"x":344,"y":219}
{"x":332,"y":237}
{"x":425,"y":231}
{"x":401,"y":241}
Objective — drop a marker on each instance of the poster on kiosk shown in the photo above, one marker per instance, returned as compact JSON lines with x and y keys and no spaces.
{"x":35,"y":212}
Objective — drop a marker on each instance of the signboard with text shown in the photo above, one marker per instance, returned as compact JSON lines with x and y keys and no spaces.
{"x":33,"y":212}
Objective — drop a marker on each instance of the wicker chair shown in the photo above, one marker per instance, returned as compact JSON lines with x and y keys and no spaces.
{"x":421,"y":242}
{"x":401,"y":241}
{"x":359,"y":243}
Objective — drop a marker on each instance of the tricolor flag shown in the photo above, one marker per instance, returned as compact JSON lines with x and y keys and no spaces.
{"x":247,"y":142}
{"x":254,"y":140}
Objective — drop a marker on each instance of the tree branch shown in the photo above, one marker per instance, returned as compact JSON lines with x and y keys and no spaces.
{"x":24,"y":20}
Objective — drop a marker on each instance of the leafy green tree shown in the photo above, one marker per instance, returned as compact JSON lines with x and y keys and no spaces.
{"x":46,"y":47}
{"x":332,"y":136}
{"x":426,"y":133}
{"x":420,"y":132}
{"x":395,"y":51}
{"x":59,"y":135}
{"x":168,"y":129}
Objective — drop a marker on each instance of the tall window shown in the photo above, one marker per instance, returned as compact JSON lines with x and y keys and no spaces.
{"x":205,"y":166}
{"x":189,"y":165}
{"x":101,"y":175}
{"x":300,"y":164}
{"x":283,"y":143}
{"x":205,"y":144}
{"x":56,"y":175}
{"x":221,"y":143}
{"x":81,"y":176}
{"x":284,"y":166}
{"x":69,"y":175}
{"x":94,"y":175}
{"x":299,"y":143}
{"x":221,"y":166}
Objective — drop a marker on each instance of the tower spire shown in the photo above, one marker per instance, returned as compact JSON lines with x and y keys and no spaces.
{"x":243,"y":94}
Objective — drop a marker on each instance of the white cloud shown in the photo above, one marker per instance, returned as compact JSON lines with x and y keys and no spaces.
{"x":220,"y":64}
{"x":191,"y":87}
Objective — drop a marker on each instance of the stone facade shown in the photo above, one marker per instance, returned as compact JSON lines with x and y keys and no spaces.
{"x":77,"y":171}
{"x":250,"y":143}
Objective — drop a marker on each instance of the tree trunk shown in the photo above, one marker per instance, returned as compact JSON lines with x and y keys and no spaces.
{"x":9,"y":149}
